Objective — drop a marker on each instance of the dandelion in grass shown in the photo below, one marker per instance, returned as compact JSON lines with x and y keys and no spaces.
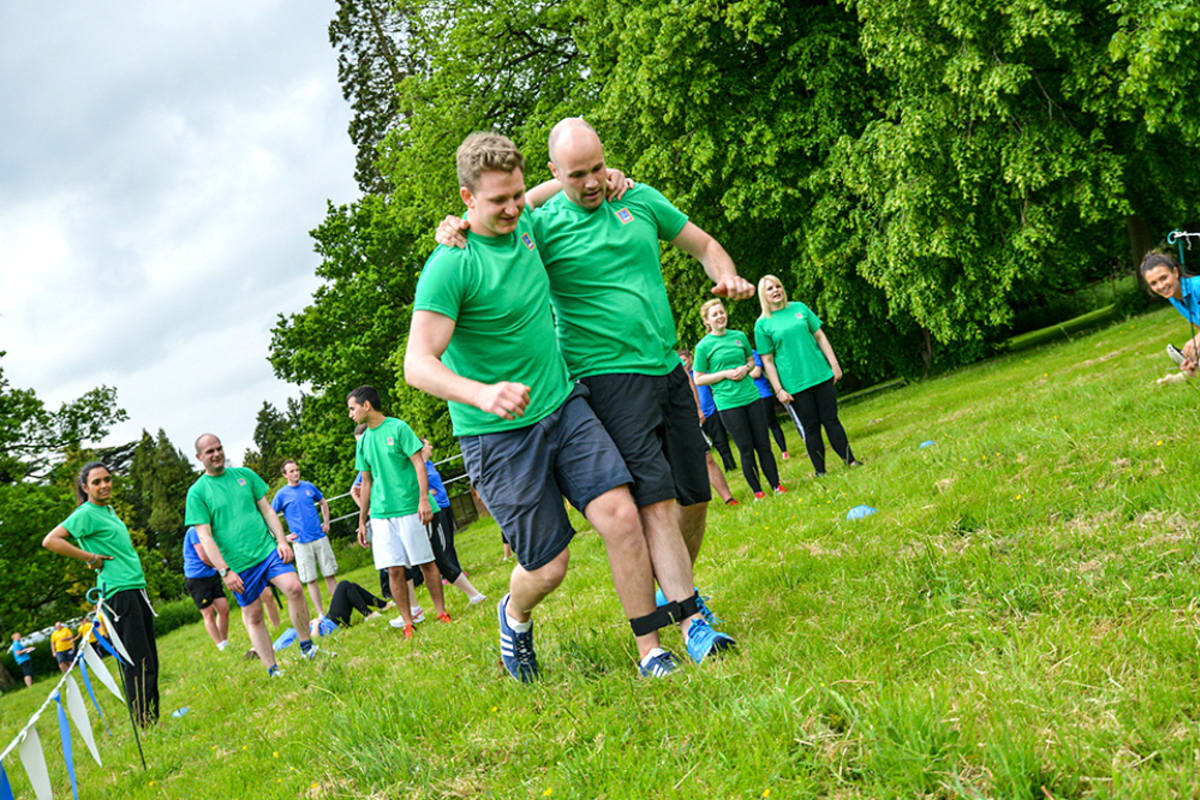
{"x":495,"y":708}
{"x":549,"y":791}
{"x":766,"y":793}
{"x":276,"y":753}
{"x":1018,"y":497}
{"x":1158,"y":443}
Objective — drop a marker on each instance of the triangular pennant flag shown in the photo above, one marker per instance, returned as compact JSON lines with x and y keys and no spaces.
{"x":5,"y":788}
{"x":35,"y":764}
{"x":79,"y":715}
{"x":64,"y":734}
{"x":87,"y":682}
{"x":101,"y":672}
{"x":100,"y":640}
{"x":112,"y":635}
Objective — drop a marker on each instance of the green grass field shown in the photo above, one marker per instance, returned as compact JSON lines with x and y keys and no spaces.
{"x":1020,"y":619}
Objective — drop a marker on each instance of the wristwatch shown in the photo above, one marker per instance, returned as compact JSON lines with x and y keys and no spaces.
{"x":223,"y":571}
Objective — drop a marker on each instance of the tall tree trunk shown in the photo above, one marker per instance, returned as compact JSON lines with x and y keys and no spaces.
{"x":1141,"y":238}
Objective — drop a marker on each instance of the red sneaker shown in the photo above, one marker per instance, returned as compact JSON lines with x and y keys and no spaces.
{"x":785,"y":455}
{"x":443,"y":617}
{"x":759,"y":495}
{"x":408,"y":631}
{"x":780,"y":490}
{"x":732,"y":502}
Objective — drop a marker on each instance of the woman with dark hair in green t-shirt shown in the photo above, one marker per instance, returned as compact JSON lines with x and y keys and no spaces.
{"x":802,"y":368}
{"x":724,"y":360}
{"x":107,"y":549}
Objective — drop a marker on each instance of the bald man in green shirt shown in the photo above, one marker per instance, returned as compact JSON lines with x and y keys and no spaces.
{"x":616,"y":330}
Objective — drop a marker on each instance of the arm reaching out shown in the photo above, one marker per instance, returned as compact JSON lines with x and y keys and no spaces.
{"x":717,"y":263}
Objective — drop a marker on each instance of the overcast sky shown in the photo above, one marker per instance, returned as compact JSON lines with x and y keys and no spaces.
{"x":161,"y":166}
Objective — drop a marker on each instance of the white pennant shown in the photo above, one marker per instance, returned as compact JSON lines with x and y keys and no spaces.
{"x":79,"y":715}
{"x":35,"y":764}
{"x":100,"y":671}
{"x":112,"y":635}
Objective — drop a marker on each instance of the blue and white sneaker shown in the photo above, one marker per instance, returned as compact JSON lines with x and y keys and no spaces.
{"x":712,"y":619}
{"x":658,"y":663}
{"x":516,"y":649}
{"x":703,"y":641}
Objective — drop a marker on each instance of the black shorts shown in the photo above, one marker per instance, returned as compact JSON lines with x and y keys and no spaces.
{"x":27,"y":668}
{"x":205,"y":591}
{"x":524,"y":474}
{"x":652,"y":420}
{"x":65,"y":656}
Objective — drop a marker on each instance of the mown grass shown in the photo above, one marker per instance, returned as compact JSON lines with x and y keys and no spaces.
{"x":1020,"y":619}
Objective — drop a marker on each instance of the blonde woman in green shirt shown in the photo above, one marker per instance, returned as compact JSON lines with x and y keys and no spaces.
{"x":724,"y":360}
{"x":802,"y":368}
{"x":105,"y":546}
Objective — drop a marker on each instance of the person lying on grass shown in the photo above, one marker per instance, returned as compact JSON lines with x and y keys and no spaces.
{"x":1162,"y":274}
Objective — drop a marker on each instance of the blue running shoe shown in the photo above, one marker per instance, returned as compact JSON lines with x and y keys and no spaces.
{"x":516,"y":649}
{"x":660,"y":665}
{"x":712,"y":619}
{"x":703,"y":641}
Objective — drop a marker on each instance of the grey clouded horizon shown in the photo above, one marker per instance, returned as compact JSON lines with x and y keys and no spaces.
{"x":163,"y":165}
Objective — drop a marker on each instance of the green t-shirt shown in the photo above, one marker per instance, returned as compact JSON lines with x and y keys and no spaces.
{"x":228,"y":503}
{"x":98,"y":529}
{"x":497,"y":293}
{"x":715,"y":353}
{"x":606,"y":281}
{"x":386,"y":452}
{"x":787,"y":334}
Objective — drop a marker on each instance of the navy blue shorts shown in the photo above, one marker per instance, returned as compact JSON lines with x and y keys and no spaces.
{"x":652,"y":420}
{"x":524,"y":474}
{"x":255,"y":579}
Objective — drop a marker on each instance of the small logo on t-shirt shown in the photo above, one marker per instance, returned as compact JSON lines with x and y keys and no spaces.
{"x":308,"y":492}
{"x":391,"y":441}
{"x":241,"y":481}
{"x":624,"y":215}
{"x":528,"y":240}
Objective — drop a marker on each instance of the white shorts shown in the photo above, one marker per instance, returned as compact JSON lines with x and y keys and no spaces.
{"x":311,"y":555}
{"x":400,"y":542}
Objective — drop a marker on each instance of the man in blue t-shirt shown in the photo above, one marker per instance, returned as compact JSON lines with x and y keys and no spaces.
{"x":297,"y":502}
{"x":205,"y":587}
{"x":20,"y":653}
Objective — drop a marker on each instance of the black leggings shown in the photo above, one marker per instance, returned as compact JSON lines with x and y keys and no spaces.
{"x":441,"y":539}
{"x":349,"y":596}
{"x":817,"y":406}
{"x":134,"y":622}
{"x":715,"y":431}
{"x":748,"y":426}
{"x":768,"y":404}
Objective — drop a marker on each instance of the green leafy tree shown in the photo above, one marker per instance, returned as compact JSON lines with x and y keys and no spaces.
{"x":32,"y":436}
{"x":272,"y":431}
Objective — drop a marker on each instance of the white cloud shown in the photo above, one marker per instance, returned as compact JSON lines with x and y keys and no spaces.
{"x":163,"y":167}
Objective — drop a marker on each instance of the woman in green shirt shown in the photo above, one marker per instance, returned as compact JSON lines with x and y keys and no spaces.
{"x":105,"y":546}
{"x":802,"y":368}
{"x":724,"y":360}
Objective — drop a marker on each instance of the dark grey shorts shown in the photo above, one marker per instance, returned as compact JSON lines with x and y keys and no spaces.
{"x":524,"y":474}
{"x":652,"y":420}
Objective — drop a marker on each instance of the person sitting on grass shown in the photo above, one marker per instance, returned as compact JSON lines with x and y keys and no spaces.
{"x":1164,"y":277}
{"x":348,"y":597}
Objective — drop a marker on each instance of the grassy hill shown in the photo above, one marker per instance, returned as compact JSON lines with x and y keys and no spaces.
{"x":1020,"y":619}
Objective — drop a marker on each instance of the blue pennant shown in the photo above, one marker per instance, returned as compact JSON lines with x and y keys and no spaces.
{"x":104,"y":643}
{"x":5,"y":789}
{"x":64,"y":733}
{"x":87,"y":682}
